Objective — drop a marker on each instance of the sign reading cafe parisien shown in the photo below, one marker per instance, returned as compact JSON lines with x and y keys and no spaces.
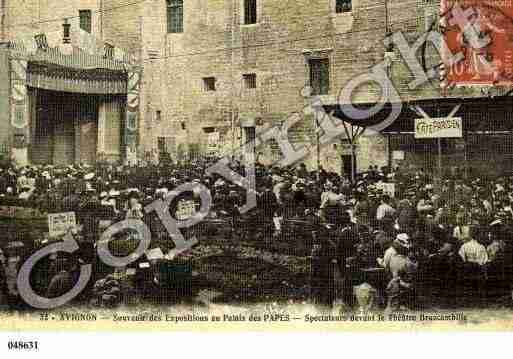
{"x":444,"y":127}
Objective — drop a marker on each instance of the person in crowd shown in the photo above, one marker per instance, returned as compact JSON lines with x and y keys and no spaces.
{"x":403,"y":268}
{"x":385,"y":210}
{"x":472,"y":251}
{"x":134,"y":208}
{"x":433,"y":222}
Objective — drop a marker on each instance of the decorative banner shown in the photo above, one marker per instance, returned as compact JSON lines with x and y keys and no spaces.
{"x":445,"y":127}
{"x":481,"y":31}
{"x":133,"y":90}
{"x":132,"y":111}
{"x":131,"y":121}
{"x":19,"y":80}
{"x":19,"y":111}
{"x":19,"y":118}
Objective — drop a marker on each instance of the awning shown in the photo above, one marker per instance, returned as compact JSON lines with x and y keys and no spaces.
{"x":77,"y":73}
{"x":478,"y":114}
{"x":65,"y":79}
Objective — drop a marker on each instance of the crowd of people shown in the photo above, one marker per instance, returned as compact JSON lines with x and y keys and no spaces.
{"x":400,"y":226}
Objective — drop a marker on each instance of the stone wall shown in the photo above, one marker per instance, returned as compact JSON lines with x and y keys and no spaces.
{"x":215,"y":43}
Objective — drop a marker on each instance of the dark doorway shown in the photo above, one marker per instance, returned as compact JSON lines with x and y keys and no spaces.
{"x":64,"y":128}
{"x":346,"y":164}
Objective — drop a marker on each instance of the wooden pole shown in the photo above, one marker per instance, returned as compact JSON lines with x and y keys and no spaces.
{"x":439,"y":140}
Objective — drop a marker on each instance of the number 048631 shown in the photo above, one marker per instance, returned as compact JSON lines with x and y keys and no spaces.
{"x":22,"y":345}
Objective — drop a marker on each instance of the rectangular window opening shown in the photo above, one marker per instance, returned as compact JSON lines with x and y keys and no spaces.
{"x":174,"y":16}
{"x":85,"y":20}
{"x":319,"y":76}
{"x":249,"y":81}
{"x":209,"y":83}
{"x":209,"y":129}
{"x":250,"y":12}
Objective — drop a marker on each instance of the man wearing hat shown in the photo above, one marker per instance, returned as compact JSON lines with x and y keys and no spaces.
{"x":400,"y":290}
{"x":401,"y":244}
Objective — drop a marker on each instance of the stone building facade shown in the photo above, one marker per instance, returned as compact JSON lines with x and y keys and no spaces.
{"x":214,"y":69}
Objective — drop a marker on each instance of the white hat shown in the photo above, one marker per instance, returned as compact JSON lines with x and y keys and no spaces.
{"x":403,"y":240}
{"x":163,"y":190}
{"x":114,"y":193}
{"x":89,"y":176}
{"x":496,"y":222}
{"x":219,"y":183}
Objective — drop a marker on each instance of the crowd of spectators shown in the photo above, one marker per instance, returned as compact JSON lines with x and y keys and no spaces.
{"x":399,"y":223}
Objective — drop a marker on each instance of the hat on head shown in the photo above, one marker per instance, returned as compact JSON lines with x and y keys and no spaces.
{"x":89,"y":176}
{"x":403,"y":240}
{"x":496,"y":222}
{"x":114,"y":193}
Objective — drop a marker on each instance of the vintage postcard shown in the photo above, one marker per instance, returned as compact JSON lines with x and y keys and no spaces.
{"x":237,"y":165}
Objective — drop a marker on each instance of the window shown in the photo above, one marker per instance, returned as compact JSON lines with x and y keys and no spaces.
{"x":209,"y":129}
{"x":250,"y":12}
{"x":158,"y":116}
{"x":209,"y":83}
{"x":41,"y":42}
{"x":174,"y":16}
{"x":343,"y":6}
{"x":165,"y":146}
{"x":85,"y":20}
{"x":108,"y":50}
{"x":161,"y":144}
{"x":319,"y":76}
{"x":249,"y":81}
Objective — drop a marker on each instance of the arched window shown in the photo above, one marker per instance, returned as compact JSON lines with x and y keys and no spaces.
{"x":174,"y":16}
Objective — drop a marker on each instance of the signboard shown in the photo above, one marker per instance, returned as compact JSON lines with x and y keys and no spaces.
{"x":185,"y":210}
{"x":481,"y":31}
{"x":60,"y":223}
{"x":444,"y":127}
{"x":398,"y":155}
